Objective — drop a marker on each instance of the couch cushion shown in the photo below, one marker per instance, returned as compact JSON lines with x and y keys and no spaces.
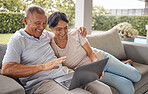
{"x":108,"y":41}
{"x":143,"y":69}
{"x":10,"y":86}
{"x":2,"y":52}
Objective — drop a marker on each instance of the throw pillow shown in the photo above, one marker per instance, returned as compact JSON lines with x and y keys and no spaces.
{"x":108,"y":41}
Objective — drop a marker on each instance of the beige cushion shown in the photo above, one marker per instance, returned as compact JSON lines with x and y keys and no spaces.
{"x":108,"y":41}
{"x":10,"y":86}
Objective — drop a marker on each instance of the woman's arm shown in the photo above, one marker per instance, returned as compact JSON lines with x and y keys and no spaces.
{"x":90,"y":52}
{"x":91,"y":55}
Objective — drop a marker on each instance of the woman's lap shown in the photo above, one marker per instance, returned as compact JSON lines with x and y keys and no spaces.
{"x":98,"y":87}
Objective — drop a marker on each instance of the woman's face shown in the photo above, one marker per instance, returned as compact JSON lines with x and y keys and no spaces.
{"x":60,"y":30}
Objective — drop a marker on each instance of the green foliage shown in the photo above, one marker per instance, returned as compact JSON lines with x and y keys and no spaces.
{"x":11,"y":21}
{"x":13,"y":5}
{"x":68,"y":7}
{"x":106,"y":22}
{"x":47,"y":5}
{"x":99,"y":10}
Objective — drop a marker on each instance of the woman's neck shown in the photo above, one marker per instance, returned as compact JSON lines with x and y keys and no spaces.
{"x":61,"y":43}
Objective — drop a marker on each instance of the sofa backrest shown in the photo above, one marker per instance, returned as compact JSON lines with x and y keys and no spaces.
{"x":3,"y":48}
{"x":108,"y":41}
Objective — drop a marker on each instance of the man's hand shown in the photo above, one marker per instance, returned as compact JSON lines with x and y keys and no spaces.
{"x":101,"y":76}
{"x":53,"y":64}
{"x":74,"y":68}
{"x":82,"y":31}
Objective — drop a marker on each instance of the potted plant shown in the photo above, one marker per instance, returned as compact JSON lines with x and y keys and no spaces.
{"x":126,"y":31}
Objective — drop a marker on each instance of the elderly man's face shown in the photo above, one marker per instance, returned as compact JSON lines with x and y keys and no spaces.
{"x":35,"y":24}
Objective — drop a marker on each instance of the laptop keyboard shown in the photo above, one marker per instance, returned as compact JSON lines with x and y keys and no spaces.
{"x":66,"y":83}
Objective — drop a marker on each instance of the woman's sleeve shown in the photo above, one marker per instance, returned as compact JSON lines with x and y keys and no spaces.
{"x":82,"y":40}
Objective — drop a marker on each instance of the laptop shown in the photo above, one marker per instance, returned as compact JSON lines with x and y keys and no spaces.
{"x":82,"y":75}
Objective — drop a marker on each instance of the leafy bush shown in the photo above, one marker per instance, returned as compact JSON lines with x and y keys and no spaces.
{"x":11,"y":21}
{"x":106,"y":22}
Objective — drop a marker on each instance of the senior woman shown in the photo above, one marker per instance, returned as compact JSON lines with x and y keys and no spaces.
{"x":78,"y":52}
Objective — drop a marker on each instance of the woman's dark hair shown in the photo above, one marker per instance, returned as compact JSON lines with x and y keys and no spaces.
{"x":55,"y":17}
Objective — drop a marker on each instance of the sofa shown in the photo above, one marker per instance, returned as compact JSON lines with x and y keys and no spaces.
{"x":108,"y":41}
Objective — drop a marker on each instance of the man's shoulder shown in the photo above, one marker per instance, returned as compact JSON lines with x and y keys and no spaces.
{"x":17,"y":38}
{"x":18,"y":34}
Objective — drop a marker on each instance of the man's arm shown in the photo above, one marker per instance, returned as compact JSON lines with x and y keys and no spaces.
{"x":16,"y":70}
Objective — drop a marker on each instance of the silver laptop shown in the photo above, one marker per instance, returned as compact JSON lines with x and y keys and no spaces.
{"x":82,"y":75}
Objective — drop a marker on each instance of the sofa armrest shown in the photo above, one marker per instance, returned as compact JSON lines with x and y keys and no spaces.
{"x":10,"y":86}
{"x":137,"y":52}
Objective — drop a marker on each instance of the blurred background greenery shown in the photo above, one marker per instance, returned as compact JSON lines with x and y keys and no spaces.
{"x":4,"y":38}
{"x":12,"y":13}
